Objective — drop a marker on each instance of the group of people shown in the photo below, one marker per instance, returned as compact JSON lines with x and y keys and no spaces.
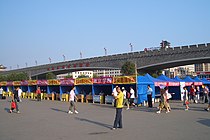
{"x":196,"y":95}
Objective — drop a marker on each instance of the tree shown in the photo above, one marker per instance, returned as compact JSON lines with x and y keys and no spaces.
{"x":83,"y":76}
{"x":128,"y":68}
{"x":50,"y":75}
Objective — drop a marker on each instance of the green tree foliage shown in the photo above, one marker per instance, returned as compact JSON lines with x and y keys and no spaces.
{"x":69,"y":76}
{"x":50,"y":75}
{"x":14,"y":77}
{"x":128,"y":68}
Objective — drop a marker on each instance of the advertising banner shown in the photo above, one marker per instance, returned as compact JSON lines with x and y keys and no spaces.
{"x":124,"y":80}
{"x":24,"y":83}
{"x":53,"y":82}
{"x":83,"y":81}
{"x":16,"y":83}
{"x":32,"y":82}
{"x":66,"y":82}
{"x":9,"y":83}
{"x":3,"y":83}
{"x":102,"y":80}
{"x":42,"y":83}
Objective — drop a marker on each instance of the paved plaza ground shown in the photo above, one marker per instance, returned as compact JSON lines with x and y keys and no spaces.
{"x":48,"y":120}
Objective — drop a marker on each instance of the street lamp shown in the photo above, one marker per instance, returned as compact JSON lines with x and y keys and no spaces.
{"x":131,"y":47}
{"x":80,"y":54}
{"x":50,"y":59}
{"x":64,"y":57}
{"x":26,"y":64}
{"x":105,"y":51}
{"x":17,"y":66}
{"x":36,"y":62}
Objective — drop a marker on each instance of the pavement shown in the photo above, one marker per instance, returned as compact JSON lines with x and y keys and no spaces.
{"x":49,"y":120}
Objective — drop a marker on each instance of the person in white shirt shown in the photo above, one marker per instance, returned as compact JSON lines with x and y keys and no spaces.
{"x":114,"y":94}
{"x":125,"y":99}
{"x":1,"y":92}
{"x":132,"y":92}
{"x":19,"y":94}
{"x":72,"y":97}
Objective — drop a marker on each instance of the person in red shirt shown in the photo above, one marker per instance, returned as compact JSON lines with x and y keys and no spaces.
{"x":38,"y":92}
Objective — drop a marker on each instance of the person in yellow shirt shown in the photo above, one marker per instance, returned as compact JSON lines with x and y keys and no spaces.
{"x":119,"y":107}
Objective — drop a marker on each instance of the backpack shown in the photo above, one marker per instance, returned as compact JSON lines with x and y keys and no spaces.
{"x":128,"y":95}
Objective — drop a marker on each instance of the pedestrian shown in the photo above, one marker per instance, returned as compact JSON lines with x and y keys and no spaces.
{"x":192,"y":93}
{"x":186,"y":100}
{"x":163,"y":101}
{"x":72,"y":97}
{"x":168,"y":97}
{"x":19,"y":94}
{"x":132,"y":97}
{"x":125,"y":98}
{"x":197,"y":94}
{"x":1,"y":92}
{"x":207,"y":109}
{"x":114,"y":93}
{"x":205,"y":94}
{"x":15,"y":99}
{"x":119,"y":106}
{"x":149,"y":96}
{"x":38,"y":92}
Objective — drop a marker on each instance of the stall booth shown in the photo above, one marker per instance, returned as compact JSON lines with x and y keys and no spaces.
{"x":126,"y":82}
{"x":84,"y":89}
{"x":52,"y":88}
{"x":10,"y":88}
{"x":102,"y":90}
{"x":43,"y":87}
{"x":24,"y":87}
{"x":143,"y":82}
{"x":32,"y":86}
{"x":173,"y":87}
{"x":66,"y":86}
{"x":3,"y":84}
{"x":181,"y":87}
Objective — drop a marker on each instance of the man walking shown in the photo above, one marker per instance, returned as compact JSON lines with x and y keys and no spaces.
{"x":19,"y":94}
{"x":72,"y":106}
{"x":119,"y":106}
{"x":15,"y":99}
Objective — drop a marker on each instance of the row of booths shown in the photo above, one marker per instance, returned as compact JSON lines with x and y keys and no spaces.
{"x":99,"y":90}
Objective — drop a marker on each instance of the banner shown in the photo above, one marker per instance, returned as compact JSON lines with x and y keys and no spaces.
{"x":53,"y":82}
{"x":83,"y":81}
{"x":24,"y":83}
{"x":3,"y":83}
{"x":161,"y":84}
{"x":173,"y":84}
{"x":124,"y":80}
{"x":9,"y":83}
{"x":42,"y":83}
{"x":32,"y":82}
{"x":66,"y":82}
{"x":103,"y":80}
{"x":16,"y":83}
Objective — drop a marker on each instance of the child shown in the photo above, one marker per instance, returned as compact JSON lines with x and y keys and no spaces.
{"x":185,"y":97}
{"x":13,"y":106}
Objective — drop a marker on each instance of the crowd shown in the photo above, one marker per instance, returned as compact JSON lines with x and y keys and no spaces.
{"x":122,"y":98}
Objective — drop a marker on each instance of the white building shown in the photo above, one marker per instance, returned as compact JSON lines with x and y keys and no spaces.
{"x":107,"y":73}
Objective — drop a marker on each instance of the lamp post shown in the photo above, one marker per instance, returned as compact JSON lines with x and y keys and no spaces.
{"x":80,"y":54}
{"x":17,"y":66}
{"x":131,"y":47}
{"x":105,"y":50}
{"x":64,"y":58}
{"x":36,"y":62}
{"x":26,"y":64}
{"x":50,"y":60}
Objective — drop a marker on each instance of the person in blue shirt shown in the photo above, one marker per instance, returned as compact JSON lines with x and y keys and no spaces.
{"x":149,"y":96}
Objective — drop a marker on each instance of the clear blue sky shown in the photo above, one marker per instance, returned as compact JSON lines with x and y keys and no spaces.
{"x":34,"y":30}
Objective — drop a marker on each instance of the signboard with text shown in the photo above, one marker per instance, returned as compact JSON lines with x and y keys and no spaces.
{"x":83,"y":81}
{"x":102,"y":80}
{"x":124,"y":80}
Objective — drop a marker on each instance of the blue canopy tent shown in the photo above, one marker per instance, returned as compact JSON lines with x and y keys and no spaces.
{"x":205,"y":81}
{"x":143,"y":82}
{"x":173,"y":86}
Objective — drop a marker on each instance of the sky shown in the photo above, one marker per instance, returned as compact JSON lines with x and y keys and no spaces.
{"x":35,"y":30}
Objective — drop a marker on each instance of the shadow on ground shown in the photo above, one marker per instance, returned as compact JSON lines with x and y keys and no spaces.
{"x":94,"y":122}
{"x":205,"y":122}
